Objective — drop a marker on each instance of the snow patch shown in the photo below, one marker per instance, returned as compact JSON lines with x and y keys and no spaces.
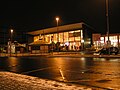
{"x":12,"y":81}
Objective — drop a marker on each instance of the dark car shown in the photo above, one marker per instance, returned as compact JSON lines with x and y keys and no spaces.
{"x":109,"y":50}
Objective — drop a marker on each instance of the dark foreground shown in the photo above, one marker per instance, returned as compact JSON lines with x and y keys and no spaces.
{"x":12,"y":81}
{"x":102,"y":73}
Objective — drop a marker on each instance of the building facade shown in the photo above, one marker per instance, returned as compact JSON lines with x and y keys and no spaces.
{"x":72,"y":37}
{"x":100,"y":41}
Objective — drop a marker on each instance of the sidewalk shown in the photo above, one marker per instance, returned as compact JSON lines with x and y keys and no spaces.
{"x":64,"y":54}
{"x":12,"y":81}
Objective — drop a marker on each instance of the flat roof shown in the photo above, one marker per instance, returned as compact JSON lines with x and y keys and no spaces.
{"x":103,"y":35}
{"x":60,"y":29}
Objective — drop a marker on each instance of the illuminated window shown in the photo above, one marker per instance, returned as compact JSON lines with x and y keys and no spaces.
{"x":36,"y":38}
{"x":77,"y":33}
{"x":71,"y":34}
{"x":102,"y":38}
{"x":74,"y":46}
{"x":81,"y":34}
{"x":113,"y":38}
{"x":106,"y":39}
{"x":78,"y":45}
{"x":61,"y":37}
{"x":119,"y":39}
{"x":65,"y":36}
{"x":77,"y":38}
{"x":47,"y":38}
{"x":71,"y":39}
{"x":51,"y":38}
{"x":55,"y":38}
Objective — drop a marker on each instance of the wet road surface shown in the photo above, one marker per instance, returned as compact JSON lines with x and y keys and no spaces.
{"x":96,"y":72}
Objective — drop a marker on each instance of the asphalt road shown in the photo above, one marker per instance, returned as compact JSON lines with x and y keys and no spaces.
{"x":103,"y":73}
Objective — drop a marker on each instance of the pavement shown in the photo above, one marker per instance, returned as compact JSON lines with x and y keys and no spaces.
{"x":71,"y":54}
{"x":12,"y":81}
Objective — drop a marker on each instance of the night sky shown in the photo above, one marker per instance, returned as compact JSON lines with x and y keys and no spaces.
{"x":29,"y":15}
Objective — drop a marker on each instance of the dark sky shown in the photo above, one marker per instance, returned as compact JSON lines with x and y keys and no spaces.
{"x":28,"y":15}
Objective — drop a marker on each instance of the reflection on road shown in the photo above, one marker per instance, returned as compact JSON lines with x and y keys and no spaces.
{"x":97,"y":72}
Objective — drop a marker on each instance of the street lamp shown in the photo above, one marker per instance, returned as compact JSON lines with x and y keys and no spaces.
{"x":108,"y":29}
{"x":107,"y":16}
{"x":57,"y":19}
{"x":11,"y":33}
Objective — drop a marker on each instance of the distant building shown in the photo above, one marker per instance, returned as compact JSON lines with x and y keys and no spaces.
{"x":72,"y":37}
{"x":100,"y":40}
{"x":15,"y":47}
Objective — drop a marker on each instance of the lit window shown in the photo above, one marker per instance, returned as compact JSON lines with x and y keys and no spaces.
{"x":55,"y":38}
{"x":77,"y":31}
{"x":71,"y":39}
{"x":36,"y":38}
{"x":81,"y":34}
{"x":77,"y":38}
{"x":65,"y":36}
{"x":61,"y":37}
{"x":71,"y":34}
{"x":102,"y":38}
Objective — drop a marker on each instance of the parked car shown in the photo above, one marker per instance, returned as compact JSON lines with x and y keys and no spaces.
{"x":109,"y":50}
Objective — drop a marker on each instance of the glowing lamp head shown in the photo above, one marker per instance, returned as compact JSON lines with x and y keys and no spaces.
{"x":57,"y":18}
{"x":11,"y":30}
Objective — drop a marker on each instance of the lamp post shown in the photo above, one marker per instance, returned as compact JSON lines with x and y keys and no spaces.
{"x":57,"y":19}
{"x":108,"y":29}
{"x":11,"y":33}
{"x":107,"y":20}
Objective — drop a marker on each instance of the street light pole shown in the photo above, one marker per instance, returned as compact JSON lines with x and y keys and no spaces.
{"x":107,"y":16}
{"x":57,"y":19}
{"x":108,"y":29}
{"x":11,"y":33}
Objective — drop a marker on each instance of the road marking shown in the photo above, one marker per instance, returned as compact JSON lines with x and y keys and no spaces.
{"x":62,"y":75}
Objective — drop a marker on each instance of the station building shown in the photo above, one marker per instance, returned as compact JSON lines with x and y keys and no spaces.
{"x":72,"y":37}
